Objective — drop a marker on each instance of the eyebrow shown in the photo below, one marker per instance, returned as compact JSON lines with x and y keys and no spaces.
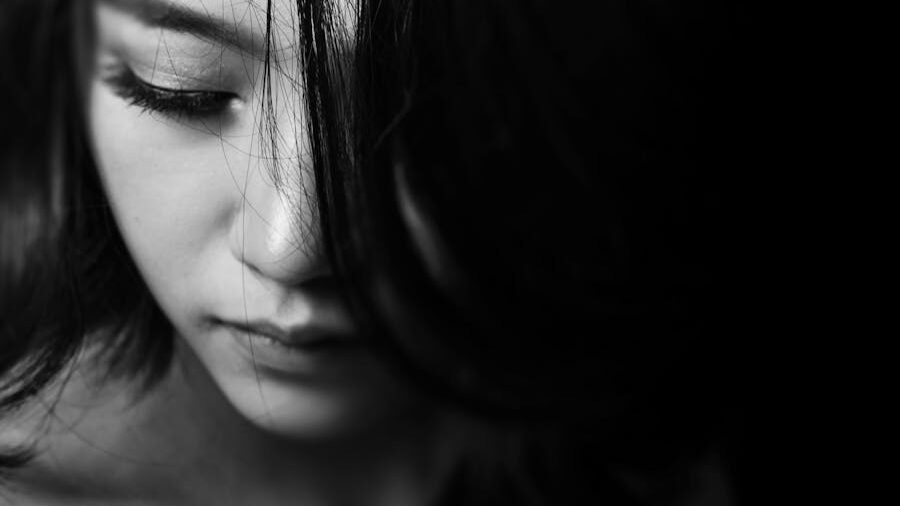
{"x":169,"y":16}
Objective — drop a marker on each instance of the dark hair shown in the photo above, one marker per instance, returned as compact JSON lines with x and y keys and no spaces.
{"x":61,"y":252}
{"x":542,"y":208}
{"x":524,"y":200}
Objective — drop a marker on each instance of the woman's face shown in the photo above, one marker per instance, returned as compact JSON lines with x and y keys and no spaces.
{"x":185,"y":150}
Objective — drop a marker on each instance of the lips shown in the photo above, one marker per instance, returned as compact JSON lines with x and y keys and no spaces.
{"x":301,"y":337}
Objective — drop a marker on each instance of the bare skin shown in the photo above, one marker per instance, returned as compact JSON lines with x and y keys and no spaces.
{"x":182,"y":444}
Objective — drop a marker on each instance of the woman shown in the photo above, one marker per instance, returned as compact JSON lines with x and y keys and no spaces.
{"x":401,"y":253}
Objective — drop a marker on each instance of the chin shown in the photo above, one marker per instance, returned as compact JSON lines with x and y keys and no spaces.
{"x":303,"y":412}
{"x":311,"y":397}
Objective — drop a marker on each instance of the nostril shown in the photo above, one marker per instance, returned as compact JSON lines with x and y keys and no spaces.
{"x":297,"y":268}
{"x":318,"y":280}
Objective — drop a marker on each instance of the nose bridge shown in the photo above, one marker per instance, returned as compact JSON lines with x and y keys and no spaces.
{"x":275,"y":230}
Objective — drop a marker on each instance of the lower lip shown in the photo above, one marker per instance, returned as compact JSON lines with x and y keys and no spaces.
{"x":269,"y":356}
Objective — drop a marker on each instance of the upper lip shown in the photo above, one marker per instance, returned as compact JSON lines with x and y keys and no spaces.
{"x":297,"y":335}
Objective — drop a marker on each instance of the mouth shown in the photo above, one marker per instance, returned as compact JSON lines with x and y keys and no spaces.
{"x":305,"y":338}
{"x":313,"y":333}
{"x":292,"y":352}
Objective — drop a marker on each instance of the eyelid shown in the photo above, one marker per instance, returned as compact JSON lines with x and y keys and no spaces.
{"x":166,"y":76}
{"x":170,"y":90}
{"x":169,"y":101}
{"x":175,"y":79}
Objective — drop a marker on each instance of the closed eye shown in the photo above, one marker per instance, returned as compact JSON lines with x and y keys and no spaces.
{"x":176,"y":103}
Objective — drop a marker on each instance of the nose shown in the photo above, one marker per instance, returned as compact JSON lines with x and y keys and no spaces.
{"x":275,"y":231}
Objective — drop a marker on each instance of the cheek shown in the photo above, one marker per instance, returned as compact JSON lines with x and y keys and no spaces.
{"x":167,"y":189}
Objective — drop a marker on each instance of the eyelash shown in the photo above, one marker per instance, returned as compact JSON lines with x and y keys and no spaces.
{"x":191,"y":104}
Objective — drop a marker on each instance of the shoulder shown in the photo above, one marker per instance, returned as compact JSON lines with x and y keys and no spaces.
{"x":79,"y":432}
